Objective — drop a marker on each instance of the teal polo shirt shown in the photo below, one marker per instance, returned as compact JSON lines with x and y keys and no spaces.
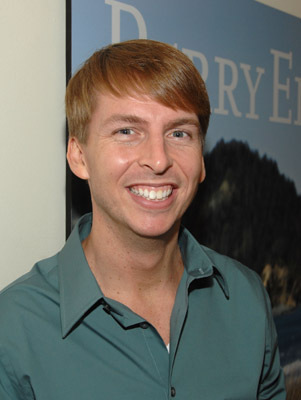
{"x":61,"y":339}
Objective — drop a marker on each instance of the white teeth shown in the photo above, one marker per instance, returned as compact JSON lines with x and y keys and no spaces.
{"x":152,"y":195}
{"x":160,"y":194}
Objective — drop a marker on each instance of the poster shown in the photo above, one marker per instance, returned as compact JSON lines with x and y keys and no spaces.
{"x":249,"y":206}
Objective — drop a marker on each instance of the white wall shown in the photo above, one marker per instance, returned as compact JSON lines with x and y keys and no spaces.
{"x":32,"y":151}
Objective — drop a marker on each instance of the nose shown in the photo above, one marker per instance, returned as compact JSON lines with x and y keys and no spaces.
{"x":155,"y":154}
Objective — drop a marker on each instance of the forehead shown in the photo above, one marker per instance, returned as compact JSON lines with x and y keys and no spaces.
{"x":110,"y":109}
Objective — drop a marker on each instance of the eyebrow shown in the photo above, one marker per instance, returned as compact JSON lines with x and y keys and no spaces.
{"x":134,"y":119}
{"x":183,"y":121}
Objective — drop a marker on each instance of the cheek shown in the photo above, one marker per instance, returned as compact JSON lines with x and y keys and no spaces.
{"x":123,"y":157}
{"x":113,"y":163}
{"x":192,"y":166}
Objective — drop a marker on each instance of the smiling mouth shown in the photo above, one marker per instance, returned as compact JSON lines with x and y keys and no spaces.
{"x":153,"y":194}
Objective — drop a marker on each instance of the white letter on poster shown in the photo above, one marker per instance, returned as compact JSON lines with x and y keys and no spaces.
{"x":196,"y":54}
{"x":252,"y":89}
{"x":117,"y":6}
{"x":280,"y":86}
{"x":223,"y":88}
{"x":298,"y":120}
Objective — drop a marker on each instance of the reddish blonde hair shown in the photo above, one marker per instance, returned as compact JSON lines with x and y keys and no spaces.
{"x":136,"y":67}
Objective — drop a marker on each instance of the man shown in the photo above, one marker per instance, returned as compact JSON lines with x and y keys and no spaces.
{"x":133,"y":307}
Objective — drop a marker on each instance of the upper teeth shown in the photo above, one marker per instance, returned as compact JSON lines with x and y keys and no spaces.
{"x":152,"y":194}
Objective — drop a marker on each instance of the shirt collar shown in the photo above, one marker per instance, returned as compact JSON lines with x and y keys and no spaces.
{"x":198,"y":261}
{"x":79,"y":290}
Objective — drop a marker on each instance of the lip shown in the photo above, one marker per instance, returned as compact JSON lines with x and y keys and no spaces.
{"x":154,"y":184}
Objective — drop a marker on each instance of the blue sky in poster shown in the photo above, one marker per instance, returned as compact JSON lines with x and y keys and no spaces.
{"x":249,"y":54}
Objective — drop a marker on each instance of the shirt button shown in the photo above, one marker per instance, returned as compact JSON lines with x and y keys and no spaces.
{"x":173,"y":391}
{"x":144,"y":325}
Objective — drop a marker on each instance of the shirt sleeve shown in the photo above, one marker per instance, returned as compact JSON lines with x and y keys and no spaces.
{"x":10,"y":388}
{"x":272,"y":386}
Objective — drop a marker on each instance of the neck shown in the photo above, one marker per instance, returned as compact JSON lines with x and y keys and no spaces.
{"x":128,"y":263}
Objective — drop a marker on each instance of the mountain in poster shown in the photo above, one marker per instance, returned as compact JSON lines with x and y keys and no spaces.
{"x":249,"y":211}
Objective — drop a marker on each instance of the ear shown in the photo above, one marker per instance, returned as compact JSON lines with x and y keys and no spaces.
{"x":203,"y":171}
{"x":76,"y":159}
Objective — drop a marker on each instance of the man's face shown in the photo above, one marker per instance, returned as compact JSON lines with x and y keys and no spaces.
{"x":143,"y":162}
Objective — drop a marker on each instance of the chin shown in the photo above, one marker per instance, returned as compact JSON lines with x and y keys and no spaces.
{"x":153,"y":231}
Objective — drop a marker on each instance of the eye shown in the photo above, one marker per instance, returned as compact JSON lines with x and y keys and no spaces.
{"x":126,"y":131}
{"x":179,"y":134}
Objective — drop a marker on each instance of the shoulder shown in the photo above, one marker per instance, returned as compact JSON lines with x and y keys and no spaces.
{"x":230,"y":267}
{"x":243,"y":283}
{"x":28,"y":295}
{"x":43,"y":272}
{"x":24,"y":311}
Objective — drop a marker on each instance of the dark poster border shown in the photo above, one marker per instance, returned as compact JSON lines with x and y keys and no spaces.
{"x":68,"y":75}
{"x":77,"y":192}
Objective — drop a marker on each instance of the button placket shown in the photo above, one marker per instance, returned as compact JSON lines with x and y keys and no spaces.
{"x":158,"y":354}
